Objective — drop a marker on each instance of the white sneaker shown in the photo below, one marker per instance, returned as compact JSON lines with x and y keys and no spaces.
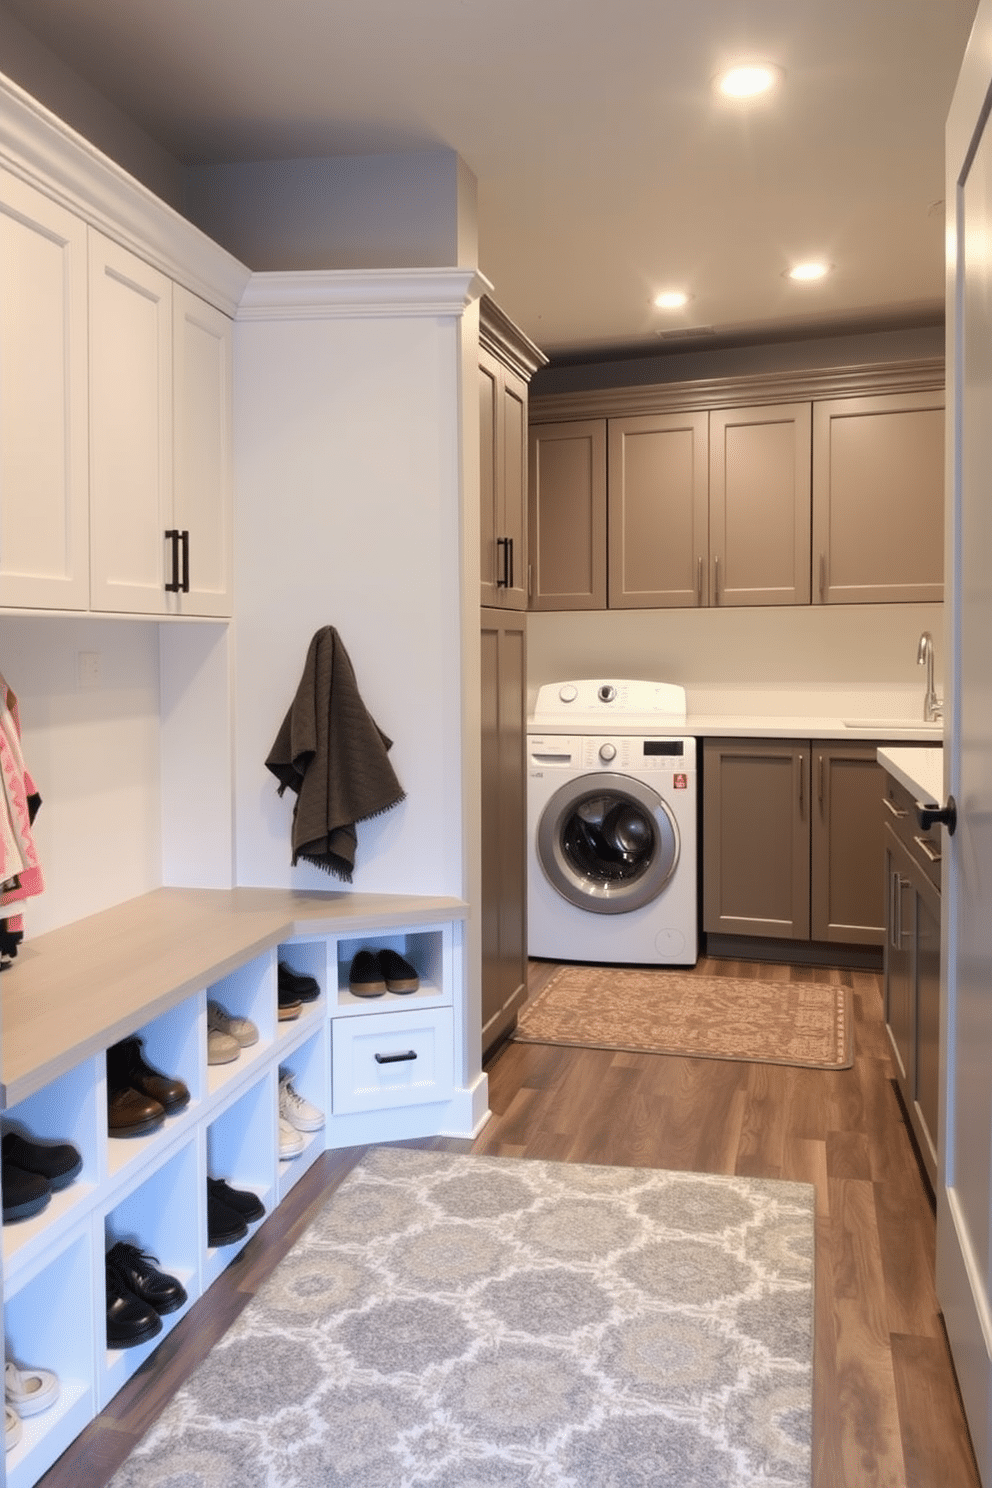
{"x":291,"y":1144}
{"x":294,"y":1109}
{"x":30,"y":1390}
{"x":242,"y":1029}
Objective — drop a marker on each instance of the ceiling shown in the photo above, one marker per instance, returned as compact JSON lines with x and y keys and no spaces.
{"x":607,"y":169}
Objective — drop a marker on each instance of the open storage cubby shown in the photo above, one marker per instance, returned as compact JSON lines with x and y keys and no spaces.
{"x":175,"y":1044}
{"x":307,"y":1064}
{"x":161,"y":1214}
{"x":49,"y":1324}
{"x":428,"y":951}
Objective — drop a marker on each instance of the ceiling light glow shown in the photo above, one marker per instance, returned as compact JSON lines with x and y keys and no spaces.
{"x":808,"y":273}
{"x":748,"y":80}
{"x":671,"y":299}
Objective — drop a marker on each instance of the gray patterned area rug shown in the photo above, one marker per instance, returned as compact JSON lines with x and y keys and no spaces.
{"x":478,"y":1322}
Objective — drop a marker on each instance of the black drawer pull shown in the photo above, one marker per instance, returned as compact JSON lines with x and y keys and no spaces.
{"x":395,"y":1058}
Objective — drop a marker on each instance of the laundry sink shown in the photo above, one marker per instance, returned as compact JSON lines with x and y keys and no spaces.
{"x":886,"y":725}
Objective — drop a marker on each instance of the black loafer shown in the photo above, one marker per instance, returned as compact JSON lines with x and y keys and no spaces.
{"x":129,"y":1320}
{"x":304,"y":988}
{"x":365,"y":979}
{"x":399,"y":975}
{"x":225,"y":1226}
{"x":242,"y":1201}
{"x":24,"y":1193}
{"x":139,"y":1276}
{"x":59,"y":1162}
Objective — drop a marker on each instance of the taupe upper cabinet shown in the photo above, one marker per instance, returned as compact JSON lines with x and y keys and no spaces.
{"x":878,"y":515}
{"x":658,"y":511}
{"x":759,"y":506}
{"x":823,"y":486}
{"x":507,"y":361}
{"x":568,"y":515}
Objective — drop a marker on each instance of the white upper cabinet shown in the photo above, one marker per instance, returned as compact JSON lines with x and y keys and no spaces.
{"x":44,"y":541}
{"x":160,"y":442}
{"x":203,"y":480}
{"x":130,"y":431}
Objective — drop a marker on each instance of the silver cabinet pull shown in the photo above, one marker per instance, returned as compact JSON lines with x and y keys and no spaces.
{"x":716,"y":580}
{"x":823,"y":576}
{"x":699,"y":580}
{"x":802,"y":780}
{"x":927,"y":850}
{"x":894,"y":809}
{"x":819,"y":778}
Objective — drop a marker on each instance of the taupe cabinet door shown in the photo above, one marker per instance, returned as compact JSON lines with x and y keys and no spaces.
{"x":658,"y":511}
{"x":568,"y":515}
{"x":503,"y":443}
{"x":792,"y":841}
{"x":756,"y":835}
{"x":847,"y":882}
{"x":878,"y":508}
{"x":759,"y":504}
{"x":504,"y":823}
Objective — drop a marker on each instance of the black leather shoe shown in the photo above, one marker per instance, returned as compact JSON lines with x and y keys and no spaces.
{"x":129,"y":1320}
{"x":59,"y":1162}
{"x":242,"y":1201}
{"x":399,"y":975}
{"x":24,"y":1193}
{"x":145,"y":1281}
{"x":131,"y":1114}
{"x":126,"y":1066}
{"x":365,"y":979}
{"x":305,"y":988}
{"x":225,"y":1226}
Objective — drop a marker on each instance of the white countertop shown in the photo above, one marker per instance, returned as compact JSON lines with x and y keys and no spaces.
{"x":921,"y":771}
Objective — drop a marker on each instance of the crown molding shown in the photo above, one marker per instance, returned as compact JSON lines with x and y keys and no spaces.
{"x":499,"y":336}
{"x":40,"y":149}
{"x":352,"y":294}
{"x":926,"y":375}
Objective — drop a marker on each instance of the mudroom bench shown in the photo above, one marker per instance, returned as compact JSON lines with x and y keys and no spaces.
{"x":378,"y":1069}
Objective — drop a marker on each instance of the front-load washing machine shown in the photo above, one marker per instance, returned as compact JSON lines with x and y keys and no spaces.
{"x":611,"y":824}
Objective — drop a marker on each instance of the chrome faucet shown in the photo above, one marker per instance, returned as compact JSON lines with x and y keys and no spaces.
{"x":933,"y":706}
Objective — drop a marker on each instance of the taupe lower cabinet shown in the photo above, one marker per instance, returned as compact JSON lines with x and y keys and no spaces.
{"x":912,"y":964}
{"x":792,"y":842}
{"x":504,"y":823}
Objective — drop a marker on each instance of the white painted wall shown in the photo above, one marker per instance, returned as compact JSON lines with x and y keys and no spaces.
{"x":94,"y":753}
{"x":348,"y":484}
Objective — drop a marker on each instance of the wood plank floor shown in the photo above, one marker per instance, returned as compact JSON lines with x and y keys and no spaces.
{"x":886,"y":1409}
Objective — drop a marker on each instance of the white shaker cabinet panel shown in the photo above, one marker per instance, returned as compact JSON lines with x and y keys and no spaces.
{"x":43,"y":402}
{"x":130,"y":431}
{"x":203,"y":360}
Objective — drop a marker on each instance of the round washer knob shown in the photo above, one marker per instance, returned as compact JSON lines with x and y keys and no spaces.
{"x":568,"y":693}
{"x":607,"y":693}
{"x":607,"y":752}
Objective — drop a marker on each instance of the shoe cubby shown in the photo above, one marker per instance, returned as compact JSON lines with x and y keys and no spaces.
{"x":65,"y":1111}
{"x":161,"y":1215}
{"x":241,"y":1148}
{"x":428,"y":950}
{"x":307,"y":1064}
{"x":175,"y":1044}
{"x":307,"y":958}
{"x":244,"y":993}
{"x":49,"y":1324}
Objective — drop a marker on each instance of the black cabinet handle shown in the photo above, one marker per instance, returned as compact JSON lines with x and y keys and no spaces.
{"x":184,"y":543}
{"x":395,"y":1058}
{"x":503,"y":543}
{"x":173,"y":536}
{"x":928,"y":814}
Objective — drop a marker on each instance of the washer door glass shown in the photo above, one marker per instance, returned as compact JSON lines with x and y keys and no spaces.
{"x":607,"y":843}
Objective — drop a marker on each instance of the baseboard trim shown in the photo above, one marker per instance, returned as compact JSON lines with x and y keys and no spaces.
{"x":799,"y":952}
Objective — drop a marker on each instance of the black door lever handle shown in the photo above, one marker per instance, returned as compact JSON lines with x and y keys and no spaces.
{"x":928,"y":814}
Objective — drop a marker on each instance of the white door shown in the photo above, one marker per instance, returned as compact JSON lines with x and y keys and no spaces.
{"x":964,"y":1209}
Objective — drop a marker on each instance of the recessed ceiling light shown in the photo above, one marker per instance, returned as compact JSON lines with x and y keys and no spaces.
{"x":672,"y":299}
{"x":807,"y":273}
{"x":748,"y":80}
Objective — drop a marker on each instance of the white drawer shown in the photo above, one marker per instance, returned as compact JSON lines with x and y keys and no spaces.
{"x":392,"y":1059}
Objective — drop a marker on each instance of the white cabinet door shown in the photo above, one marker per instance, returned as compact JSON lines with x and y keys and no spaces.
{"x":43,"y":402}
{"x":130,"y":431}
{"x":203,"y":490}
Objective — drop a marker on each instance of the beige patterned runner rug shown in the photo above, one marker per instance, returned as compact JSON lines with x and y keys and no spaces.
{"x":451,"y":1321}
{"x":643,"y":1010}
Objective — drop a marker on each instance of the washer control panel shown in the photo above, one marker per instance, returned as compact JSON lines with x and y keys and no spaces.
{"x":632,"y":756}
